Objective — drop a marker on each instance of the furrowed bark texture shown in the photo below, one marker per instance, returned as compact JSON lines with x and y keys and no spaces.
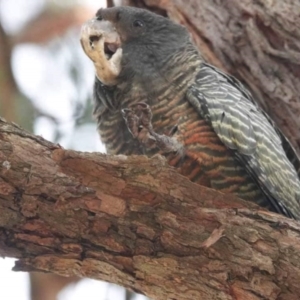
{"x":136,"y":222}
{"x":255,"y":40}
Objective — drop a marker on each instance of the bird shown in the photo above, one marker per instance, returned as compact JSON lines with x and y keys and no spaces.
{"x":154,"y":93}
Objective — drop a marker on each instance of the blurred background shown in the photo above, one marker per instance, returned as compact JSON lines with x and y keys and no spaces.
{"x":46,"y":87}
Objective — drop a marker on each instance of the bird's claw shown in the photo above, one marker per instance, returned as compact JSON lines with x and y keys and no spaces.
{"x":132,"y":121}
{"x":138,"y":120}
{"x":141,"y":114}
{"x":143,"y":111}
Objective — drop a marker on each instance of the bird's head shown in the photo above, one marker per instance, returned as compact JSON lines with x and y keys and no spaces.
{"x":141,"y":26}
{"x":134,"y":41}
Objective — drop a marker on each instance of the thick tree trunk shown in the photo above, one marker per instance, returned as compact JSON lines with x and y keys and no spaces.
{"x":255,"y":40}
{"x":138,"y":223}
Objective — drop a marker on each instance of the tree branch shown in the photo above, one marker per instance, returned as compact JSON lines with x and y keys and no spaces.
{"x":136,"y":222}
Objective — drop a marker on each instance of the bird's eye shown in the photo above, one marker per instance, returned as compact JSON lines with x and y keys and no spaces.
{"x":138,"y":23}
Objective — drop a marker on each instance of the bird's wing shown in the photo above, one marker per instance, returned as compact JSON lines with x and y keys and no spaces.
{"x":244,"y":128}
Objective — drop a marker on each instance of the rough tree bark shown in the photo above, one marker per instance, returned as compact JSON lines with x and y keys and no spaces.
{"x":138,"y":223}
{"x":255,"y":40}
